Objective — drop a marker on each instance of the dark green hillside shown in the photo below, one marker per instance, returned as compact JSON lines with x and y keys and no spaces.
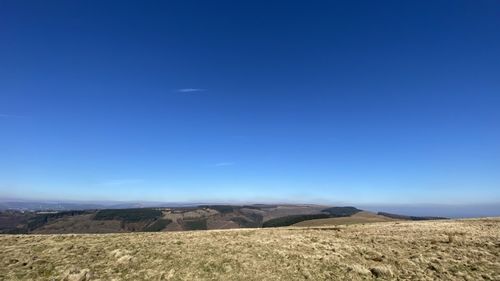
{"x":248,"y":221}
{"x":173,"y":218}
{"x":196,"y":224}
{"x":17,"y":222}
{"x":41,"y":219}
{"x":412,"y":218}
{"x":128,"y":215}
{"x":223,"y":209}
{"x":158,"y":225}
{"x":289,"y":220}
{"x":333,"y":212}
{"x":341,"y":211}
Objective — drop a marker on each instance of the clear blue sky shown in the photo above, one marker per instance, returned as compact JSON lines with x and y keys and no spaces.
{"x":309,"y":101}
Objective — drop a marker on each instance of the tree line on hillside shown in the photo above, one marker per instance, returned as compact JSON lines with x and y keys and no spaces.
{"x":333,"y":212}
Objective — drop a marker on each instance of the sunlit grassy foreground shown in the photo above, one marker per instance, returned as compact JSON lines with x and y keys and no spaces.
{"x":428,"y":250}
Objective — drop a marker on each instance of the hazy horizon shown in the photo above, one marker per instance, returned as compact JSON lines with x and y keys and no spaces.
{"x":368,"y":103}
{"x":454,"y":210}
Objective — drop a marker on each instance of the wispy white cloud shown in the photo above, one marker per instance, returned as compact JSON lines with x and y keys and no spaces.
{"x":3,"y":115}
{"x":116,"y":182}
{"x":222,"y":164}
{"x":190,"y":90}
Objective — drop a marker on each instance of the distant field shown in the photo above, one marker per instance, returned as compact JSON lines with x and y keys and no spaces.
{"x":361,"y":217}
{"x":402,"y":250}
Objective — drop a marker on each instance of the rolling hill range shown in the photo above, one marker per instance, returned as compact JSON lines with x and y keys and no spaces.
{"x":404,"y":250}
{"x":360,"y":217}
{"x":203,"y":217}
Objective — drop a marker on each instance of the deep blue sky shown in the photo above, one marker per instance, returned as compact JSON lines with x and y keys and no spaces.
{"x":308,"y":101}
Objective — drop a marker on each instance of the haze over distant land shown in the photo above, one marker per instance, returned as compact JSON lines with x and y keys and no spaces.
{"x":440,"y":210}
{"x":393,"y":105}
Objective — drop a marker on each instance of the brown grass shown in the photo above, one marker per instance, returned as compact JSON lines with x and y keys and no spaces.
{"x":387,"y":251}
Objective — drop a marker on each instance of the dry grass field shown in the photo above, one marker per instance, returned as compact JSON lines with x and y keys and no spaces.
{"x":425,"y":250}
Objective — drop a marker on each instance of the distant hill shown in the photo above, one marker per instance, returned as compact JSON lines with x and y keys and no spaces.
{"x":34,"y":205}
{"x":341,"y":211}
{"x":359,"y":217}
{"x":332,"y":212}
{"x":202,"y":217}
{"x":412,"y":218}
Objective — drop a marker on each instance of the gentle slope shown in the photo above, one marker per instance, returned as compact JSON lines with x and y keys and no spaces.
{"x":439,"y":250}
